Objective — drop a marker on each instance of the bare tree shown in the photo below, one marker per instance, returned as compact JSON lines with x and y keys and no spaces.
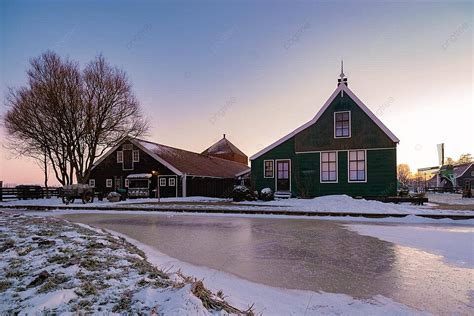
{"x":70,"y":116}
{"x":111,"y":112}
{"x":464,"y":158}
{"x":403,"y":173}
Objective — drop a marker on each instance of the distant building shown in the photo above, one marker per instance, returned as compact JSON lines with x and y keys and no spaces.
{"x":463,"y":174}
{"x":344,"y":149}
{"x":226,"y":150}
{"x":140,"y":166}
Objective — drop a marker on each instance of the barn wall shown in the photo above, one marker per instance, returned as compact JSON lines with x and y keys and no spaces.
{"x":109,"y":169}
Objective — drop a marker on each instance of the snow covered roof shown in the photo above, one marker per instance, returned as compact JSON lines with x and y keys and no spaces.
{"x":341,"y":88}
{"x":139,"y":176}
{"x":183,"y":161}
{"x":459,"y":170}
{"x":223,"y":146}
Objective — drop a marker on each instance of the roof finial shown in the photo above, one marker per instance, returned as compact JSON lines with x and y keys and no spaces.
{"x":342,"y":70}
{"x":224,"y":135}
{"x":342,"y":76}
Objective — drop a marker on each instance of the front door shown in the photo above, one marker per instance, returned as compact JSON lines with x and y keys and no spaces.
{"x":118,"y":183}
{"x":283,"y":175}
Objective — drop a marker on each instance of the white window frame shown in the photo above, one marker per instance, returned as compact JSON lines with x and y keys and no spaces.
{"x":273,"y":169}
{"x":92,"y":183}
{"x":137,"y":152}
{"x":126,"y":183}
{"x":321,"y":167}
{"x":349,"y":166}
{"x":171,"y":182}
{"x":162,"y":182}
{"x":108,"y":183}
{"x":350,"y":125}
{"x":119,"y":156}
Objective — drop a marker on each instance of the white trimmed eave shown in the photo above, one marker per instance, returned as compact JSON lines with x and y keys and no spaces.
{"x":110,"y":151}
{"x":341,"y":87}
{"x":136,"y":143}
{"x":243,"y":172}
{"x":156,"y":157}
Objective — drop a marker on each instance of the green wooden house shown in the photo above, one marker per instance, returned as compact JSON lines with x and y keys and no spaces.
{"x":344,"y":149}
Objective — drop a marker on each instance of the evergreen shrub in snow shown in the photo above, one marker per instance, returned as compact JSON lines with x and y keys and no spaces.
{"x":242,"y":193}
{"x":266,"y":194}
{"x":114,"y":197}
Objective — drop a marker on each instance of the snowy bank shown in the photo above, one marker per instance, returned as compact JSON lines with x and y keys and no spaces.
{"x":323,"y":204}
{"x":347,"y":204}
{"x":49,"y":265}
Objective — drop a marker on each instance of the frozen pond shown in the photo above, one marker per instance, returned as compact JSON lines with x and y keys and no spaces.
{"x":303,"y":254}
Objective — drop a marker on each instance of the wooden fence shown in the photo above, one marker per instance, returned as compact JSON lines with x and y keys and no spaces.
{"x":443,"y":189}
{"x":24,"y":192}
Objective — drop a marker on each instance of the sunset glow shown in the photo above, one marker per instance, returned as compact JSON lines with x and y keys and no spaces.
{"x":210,"y":68}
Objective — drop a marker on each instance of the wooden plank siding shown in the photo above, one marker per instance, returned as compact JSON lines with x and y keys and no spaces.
{"x":304,"y":151}
{"x":109,"y":168}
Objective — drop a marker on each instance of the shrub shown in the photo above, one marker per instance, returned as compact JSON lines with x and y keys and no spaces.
{"x":240,"y":193}
{"x":266,"y":194}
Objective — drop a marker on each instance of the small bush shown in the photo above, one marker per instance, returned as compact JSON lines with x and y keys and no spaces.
{"x":239,"y":193}
{"x":266,"y":194}
{"x":242,"y":193}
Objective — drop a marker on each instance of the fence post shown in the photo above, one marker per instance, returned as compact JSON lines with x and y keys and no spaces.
{"x":1,"y":191}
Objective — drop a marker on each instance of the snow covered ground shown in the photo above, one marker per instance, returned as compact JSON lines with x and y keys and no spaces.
{"x":54,"y":201}
{"x":449,"y":198}
{"x":331,"y":204}
{"x":48,"y":265}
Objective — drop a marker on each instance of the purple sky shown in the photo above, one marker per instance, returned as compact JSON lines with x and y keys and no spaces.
{"x":256,"y":70}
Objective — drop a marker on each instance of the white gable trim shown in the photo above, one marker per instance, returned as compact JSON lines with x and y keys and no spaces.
{"x":370,"y":114}
{"x":136,"y":143}
{"x":156,"y":157}
{"x":110,"y":151}
{"x":469,"y":167}
{"x":340,"y":88}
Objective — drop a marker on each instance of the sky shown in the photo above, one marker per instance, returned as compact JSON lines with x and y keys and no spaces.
{"x":257,"y":70}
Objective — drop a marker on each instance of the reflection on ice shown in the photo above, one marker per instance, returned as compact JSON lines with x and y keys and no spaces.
{"x":301,"y":254}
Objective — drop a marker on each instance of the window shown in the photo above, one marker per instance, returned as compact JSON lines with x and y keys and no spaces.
{"x":342,"y":124}
{"x":119,"y":156}
{"x":92,"y":183}
{"x":329,"y":166}
{"x":126,"y":183}
{"x":171,"y":182}
{"x":268,"y":169}
{"x":162,"y":182}
{"x":357,"y":166}
{"x":108,"y":183}
{"x":136,"y":156}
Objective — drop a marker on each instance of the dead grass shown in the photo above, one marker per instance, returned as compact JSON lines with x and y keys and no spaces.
{"x":53,"y":283}
{"x":211,"y":302}
{"x":4,"y":285}
{"x":7,"y":244}
{"x":94,"y":254}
